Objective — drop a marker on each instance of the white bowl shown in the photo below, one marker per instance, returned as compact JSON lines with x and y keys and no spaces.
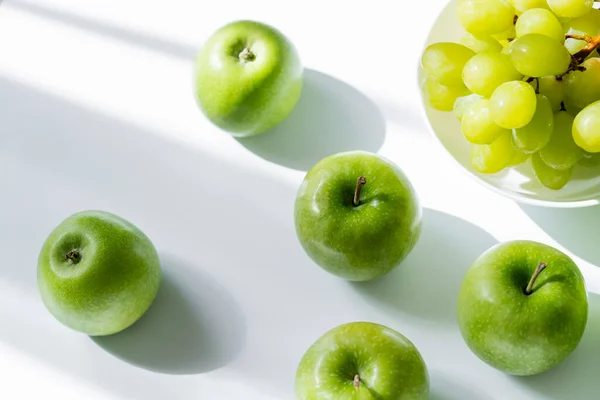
{"x":518,"y":183}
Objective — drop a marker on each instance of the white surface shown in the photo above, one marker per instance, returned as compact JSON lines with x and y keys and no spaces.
{"x":97,"y":112}
{"x":517,"y":183}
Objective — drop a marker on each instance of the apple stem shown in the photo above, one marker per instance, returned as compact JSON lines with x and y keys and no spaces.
{"x":74,"y":256}
{"x":356,"y":381}
{"x":542,"y":266}
{"x":359,"y":184}
{"x":246,"y":55}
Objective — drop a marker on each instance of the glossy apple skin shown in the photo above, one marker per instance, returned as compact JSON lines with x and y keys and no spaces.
{"x":246,"y":98}
{"x":114,"y":282}
{"x":389,"y":365}
{"x":516,"y":333}
{"x":357,"y":243}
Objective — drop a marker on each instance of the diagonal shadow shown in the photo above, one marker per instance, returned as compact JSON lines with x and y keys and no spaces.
{"x":137,"y":38}
{"x":331,"y":117}
{"x":194,"y":325}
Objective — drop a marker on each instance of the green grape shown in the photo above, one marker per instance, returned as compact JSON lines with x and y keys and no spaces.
{"x":535,"y":135}
{"x":561,"y":152}
{"x":571,"y":109}
{"x":583,"y":88}
{"x":442,"y":97}
{"x":551,"y":178}
{"x":586,"y":128}
{"x":537,"y":55}
{"x":508,"y":48}
{"x":445,"y":61}
{"x":590,"y":160}
{"x":462,"y":104}
{"x":553,"y":89}
{"x":508,"y":34}
{"x":518,"y":158}
{"x":480,"y":44}
{"x":574,"y":45}
{"x":513,"y":104}
{"x":570,"y":8}
{"x":589,"y":24}
{"x":485,"y":17}
{"x":477,"y":124}
{"x":523,"y":5}
{"x":541,"y":21}
{"x":494,"y":157}
{"x":486,"y":71}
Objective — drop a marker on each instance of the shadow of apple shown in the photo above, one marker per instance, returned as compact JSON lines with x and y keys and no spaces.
{"x":576,"y":229}
{"x":193,"y":326}
{"x":578,"y":376}
{"x":445,"y":387}
{"x":427,"y":283}
{"x":330,"y":117}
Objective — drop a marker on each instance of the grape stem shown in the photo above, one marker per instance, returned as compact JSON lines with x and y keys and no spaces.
{"x":537,"y":83}
{"x":585,"y":37}
{"x":593,"y":42}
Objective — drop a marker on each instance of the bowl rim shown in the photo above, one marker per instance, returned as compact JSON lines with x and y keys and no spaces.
{"x":513,"y":196}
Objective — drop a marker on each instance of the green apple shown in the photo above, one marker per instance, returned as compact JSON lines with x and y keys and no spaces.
{"x":523,"y":307}
{"x":98,"y":273}
{"x":357,"y":215}
{"x":248,"y":78}
{"x":362,"y":361}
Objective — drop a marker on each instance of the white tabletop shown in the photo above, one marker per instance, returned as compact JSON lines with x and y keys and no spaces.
{"x":97,"y":112}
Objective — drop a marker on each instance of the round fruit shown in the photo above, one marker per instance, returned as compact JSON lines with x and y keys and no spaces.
{"x":445,"y":61}
{"x":523,"y":5}
{"x":586,"y":128}
{"x":477,"y":124}
{"x":480,"y":44}
{"x":462,"y":104}
{"x":554,"y":179}
{"x":494,"y":157}
{"x":536,"y":55}
{"x":362,"y":360}
{"x":98,"y":273}
{"x":357,"y":215}
{"x":522,"y":307}
{"x":553,"y":89}
{"x":583,"y":87}
{"x":513,"y":104}
{"x":442,"y":97}
{"x":535,"y":135}
{"x":562,"y":152}
{"x":570,"y":8}
{"x":589,"y":24}
{"x":542,"y":21}
{"x":485,"y":17}
{"x":248,"y":78}
{"x":484,"y":72}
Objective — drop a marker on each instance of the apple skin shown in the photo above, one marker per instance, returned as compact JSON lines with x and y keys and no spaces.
{"x":246,"y":98}
{"x":388,"y":365}
{"x":513,"y":332}
{"x":112,"y":282}
{"x":364,"y":242}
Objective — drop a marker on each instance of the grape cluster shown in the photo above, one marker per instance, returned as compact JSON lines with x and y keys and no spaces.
{"x":524,"y":82}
